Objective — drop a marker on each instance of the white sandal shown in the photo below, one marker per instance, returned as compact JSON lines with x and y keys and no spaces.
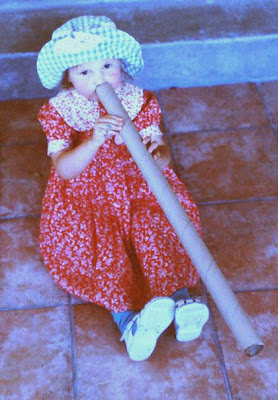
{"x":155,"y":317}
{"x":190,"y":317}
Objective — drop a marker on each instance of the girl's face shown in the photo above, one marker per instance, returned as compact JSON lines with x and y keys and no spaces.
{"x":86,"y":77}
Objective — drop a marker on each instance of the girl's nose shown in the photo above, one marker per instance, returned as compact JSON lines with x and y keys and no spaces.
{"x":99,"y":78}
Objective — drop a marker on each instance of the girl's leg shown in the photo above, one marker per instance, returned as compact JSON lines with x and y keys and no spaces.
{"x":122,"y":319}
{"x":140,"y":331}
{"x":180,"y":294}
{"x":190,"y":316}
{"x":165,"y":265}
{"x":166,"y":268}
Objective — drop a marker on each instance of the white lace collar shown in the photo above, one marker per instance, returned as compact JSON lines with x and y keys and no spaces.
{"x":81,"y":114}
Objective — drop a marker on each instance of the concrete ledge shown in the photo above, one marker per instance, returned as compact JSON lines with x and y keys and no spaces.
{"x":210,"y":62}
{"x":175,"y":64}
{"x":192,"y":43}
{"x":27,"y":30}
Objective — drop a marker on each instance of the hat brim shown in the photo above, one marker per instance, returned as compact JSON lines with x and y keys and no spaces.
{"x":51,"y":64}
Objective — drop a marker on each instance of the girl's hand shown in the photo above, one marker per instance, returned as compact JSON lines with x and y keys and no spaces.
{"x":158,"y":149}
{"x":106,"y":127}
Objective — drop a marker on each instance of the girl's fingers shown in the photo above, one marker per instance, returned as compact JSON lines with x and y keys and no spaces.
{"x":157,"y":155}
{"x":153,"y":146}
{"x":110,"y":125}
{"x":111,"y":119}
{"x":146,"y":140}
{"x":110,"y":128}
{"x":109,"y":122}
{"x":150,"y":145}
{"x":107,"y":133}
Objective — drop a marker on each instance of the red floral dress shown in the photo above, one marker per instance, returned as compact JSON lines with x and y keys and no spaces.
{"x":103,"y":236}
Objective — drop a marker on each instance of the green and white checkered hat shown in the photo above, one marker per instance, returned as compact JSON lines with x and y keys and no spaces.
{"x":84,"y":39}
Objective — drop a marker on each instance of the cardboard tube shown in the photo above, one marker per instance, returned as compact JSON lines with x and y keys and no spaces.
{"x":226,"y":301}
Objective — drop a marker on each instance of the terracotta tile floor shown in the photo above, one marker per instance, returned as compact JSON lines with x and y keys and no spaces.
{"x":52,"y":346}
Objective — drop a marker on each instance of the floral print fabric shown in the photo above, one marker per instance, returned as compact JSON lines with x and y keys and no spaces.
{"x":103,"y":236}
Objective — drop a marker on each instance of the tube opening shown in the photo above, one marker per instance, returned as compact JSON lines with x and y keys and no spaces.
{"x":253,"y":350}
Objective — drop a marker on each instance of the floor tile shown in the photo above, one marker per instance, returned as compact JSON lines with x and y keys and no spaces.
{"x":253,"y":378}
{"x":270,"y":94}
{"x":24,"y":281}
{"x":174,"y":371}
{"x":243,"y":239}
{"x":224,"y":150}
{"x":19,"y":122}
{"x":35,"y":356}
{"x":25,"y":169}
{"x":228,"y":165}
{"x":216,"y":107}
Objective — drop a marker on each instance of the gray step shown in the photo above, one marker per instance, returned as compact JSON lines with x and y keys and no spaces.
{"x":185,"y":43}
{"x":26,"y":30}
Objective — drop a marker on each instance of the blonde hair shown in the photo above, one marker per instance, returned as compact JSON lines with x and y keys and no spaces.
{"x":65,"y":83}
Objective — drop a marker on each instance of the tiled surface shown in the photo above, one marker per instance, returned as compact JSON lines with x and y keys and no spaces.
{"x":224,"y":148}
{"x":270,"y":94}
{"x":19,"y":123}
{"x":253,"y":378}
{"x":23,"y":182}
{"x":221,"y":165}
{"x":243,"y":239}
{"x":217,"y":107}
{"x":24,"y":280}
{"x":35,"y":356}
{"x":173,"y":372}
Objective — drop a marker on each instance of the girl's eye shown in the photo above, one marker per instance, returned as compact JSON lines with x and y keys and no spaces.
{"x":84,"y":73}
{"x":106,"y":66}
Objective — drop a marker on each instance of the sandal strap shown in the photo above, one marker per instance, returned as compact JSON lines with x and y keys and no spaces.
{"x":181,"y":303}
{"x":129,"y":327}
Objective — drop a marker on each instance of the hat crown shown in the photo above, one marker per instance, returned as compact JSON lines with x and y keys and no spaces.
{"x":85,"y":39}
{"x":86,"y":24}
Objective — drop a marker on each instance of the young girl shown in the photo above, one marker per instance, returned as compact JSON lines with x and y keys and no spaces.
{"x":103,"y":236}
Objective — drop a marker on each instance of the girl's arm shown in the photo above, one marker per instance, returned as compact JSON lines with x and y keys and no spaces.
{"x":148,"y":123}
{"x":70,"y":163}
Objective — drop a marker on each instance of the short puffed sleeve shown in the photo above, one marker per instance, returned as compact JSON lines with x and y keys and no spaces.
{"x":148,"y":119}
{"x":59,"y":134}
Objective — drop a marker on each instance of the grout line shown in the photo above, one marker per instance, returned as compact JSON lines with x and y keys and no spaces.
{"x":11,"y":218}
{"x":255,"y":290}
{"x":33,"y":307}
{"x":173,"y":161}
{"x":73,"y":349}
{"x":268,"y":113}
{"x":250,"y":200}
{"x":276,"y":131}
{"x":218,"y":130}
{"x":74,"y":301}
{"x":34,"y":142}
{"x":221,"y":360}
{"x":218,"y":348}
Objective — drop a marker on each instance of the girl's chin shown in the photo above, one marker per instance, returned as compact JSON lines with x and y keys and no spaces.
{"x":93,"y":97}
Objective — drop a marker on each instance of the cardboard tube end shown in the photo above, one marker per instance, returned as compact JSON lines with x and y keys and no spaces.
{"x":253,"y":350}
